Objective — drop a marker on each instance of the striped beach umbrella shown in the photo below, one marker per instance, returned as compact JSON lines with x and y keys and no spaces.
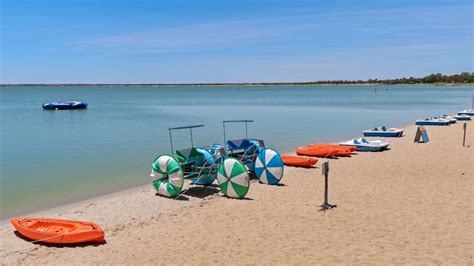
{"x":269,"y":166}
{"x":170,"y":178}
{"x":233,"y":178}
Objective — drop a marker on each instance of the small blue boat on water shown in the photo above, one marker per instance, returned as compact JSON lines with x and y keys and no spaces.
{"x":64,"y":105}
{"x":383,"y":132}
{"x":430,"y":121}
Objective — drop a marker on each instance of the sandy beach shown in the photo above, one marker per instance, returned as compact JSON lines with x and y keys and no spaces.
{"x":412,"y":204}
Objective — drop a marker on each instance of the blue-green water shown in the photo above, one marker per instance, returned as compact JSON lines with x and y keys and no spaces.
{"x":53,"y":157}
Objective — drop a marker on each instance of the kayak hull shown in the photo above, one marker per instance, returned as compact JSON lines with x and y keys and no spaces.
{"x":298,"y":161}
{"x":58,"y":231}
{"x":323,"y":152}
{"x":332,"y":146}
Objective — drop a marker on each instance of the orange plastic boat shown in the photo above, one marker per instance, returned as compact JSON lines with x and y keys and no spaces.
{"x":58,"y":231}
{"x":299,"y":161}
{"x":335,"y":146}
{"x":318,"y":152}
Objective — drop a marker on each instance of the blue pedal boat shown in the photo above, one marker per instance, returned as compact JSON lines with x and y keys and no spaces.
{"x":432,"y":122}
{"x":64,"y":105}
{"x":383,"y":132}
{"x":462,"y":117}
{"x":469,"y":112}
{"x":366,"y":145}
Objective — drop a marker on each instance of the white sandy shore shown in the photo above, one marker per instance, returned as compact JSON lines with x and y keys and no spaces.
{"x":412,"y":204}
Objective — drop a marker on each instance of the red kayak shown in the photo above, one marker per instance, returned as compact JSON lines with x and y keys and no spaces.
{"x":299,"y":161}
{"x":58,"y":231}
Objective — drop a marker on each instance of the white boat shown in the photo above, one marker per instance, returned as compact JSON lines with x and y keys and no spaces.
{"x":451,"y":119}
{"x":383,"y":132}
{"x":366,"y":145}
{"x":462,"y":117}
{"x":430,"y":121}
{"x":469,"y":112}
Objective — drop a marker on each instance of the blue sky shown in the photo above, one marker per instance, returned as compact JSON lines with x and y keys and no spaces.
{"x":105,"y":41}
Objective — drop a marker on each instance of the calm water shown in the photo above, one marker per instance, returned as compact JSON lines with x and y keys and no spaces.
{"x":53,"y":157}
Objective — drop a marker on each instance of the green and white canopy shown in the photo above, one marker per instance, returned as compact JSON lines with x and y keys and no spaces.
{"x":233,"y":178}
{"x":170,"y":176}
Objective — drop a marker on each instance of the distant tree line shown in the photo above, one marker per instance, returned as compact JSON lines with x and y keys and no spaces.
{"x":438,"y":78}
{"x":463,"y":78}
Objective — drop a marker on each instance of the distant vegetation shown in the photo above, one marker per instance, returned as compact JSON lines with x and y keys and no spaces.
{"x":465,"y":78}
{"x":438,"y":78}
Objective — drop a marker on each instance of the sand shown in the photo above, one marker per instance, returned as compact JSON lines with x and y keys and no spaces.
{"x":412,"y":204}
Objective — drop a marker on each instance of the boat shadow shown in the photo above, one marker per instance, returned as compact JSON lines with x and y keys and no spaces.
{"x":196,"y":191}
{"x":201,"y":191}
{"x":78,"y":245}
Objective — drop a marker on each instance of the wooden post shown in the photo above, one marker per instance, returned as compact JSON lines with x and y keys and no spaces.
{"x":325,"y":172}
{"x":464,"y":137}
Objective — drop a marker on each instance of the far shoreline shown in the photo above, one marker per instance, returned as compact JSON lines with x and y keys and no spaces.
{"x":276,"y":84}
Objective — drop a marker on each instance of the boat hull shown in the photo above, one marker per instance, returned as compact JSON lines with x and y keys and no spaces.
{"x":466,"y":113}
{"x":383,"y":134}
{"x":432,"y":123}
{"x":64,"y":106}
{"x":371,"y":148}
{"x":58,"y":231}
{"x":298,"y":161}
{"x":460,"y":118}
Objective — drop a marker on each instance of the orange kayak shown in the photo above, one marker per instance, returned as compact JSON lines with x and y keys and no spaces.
{"x":335,"y":146}
{"x":318,"y":152}
{"x":58,"y":231}
{"x":299,"y":161}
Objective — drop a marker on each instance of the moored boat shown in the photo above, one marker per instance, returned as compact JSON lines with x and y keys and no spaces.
{"x":383,"y":132}
{"x":432,"y":122}
{"x":64,"y":105}
{"x":299,"y":161}
{"x":364,"y":145}
{"x":462,"y":117}
{"x":58,"y":231}
{"x":469,"y":112}
{"x":450,"y":119}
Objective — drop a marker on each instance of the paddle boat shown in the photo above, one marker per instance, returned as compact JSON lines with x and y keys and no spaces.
{"x":451,"y":119}
{"x":198,"y":164}
{"x":365,"y":145}
{"x":383,"y":132}
{"x":461,"y":117}
{"x":469,"y":112}
{"x":264,"y":163}
{"x":58,"y":231}
{"x":64,"y":105}
{"x":430,"y":121}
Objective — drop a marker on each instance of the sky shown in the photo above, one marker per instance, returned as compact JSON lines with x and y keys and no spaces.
{"x":177,"y":41}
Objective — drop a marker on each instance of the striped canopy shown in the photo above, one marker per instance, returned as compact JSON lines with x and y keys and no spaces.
{"x":269,"y":167}
{"x":233,"y":178}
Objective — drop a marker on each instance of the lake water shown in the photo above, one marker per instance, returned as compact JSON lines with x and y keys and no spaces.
{"x":53,"y":157}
